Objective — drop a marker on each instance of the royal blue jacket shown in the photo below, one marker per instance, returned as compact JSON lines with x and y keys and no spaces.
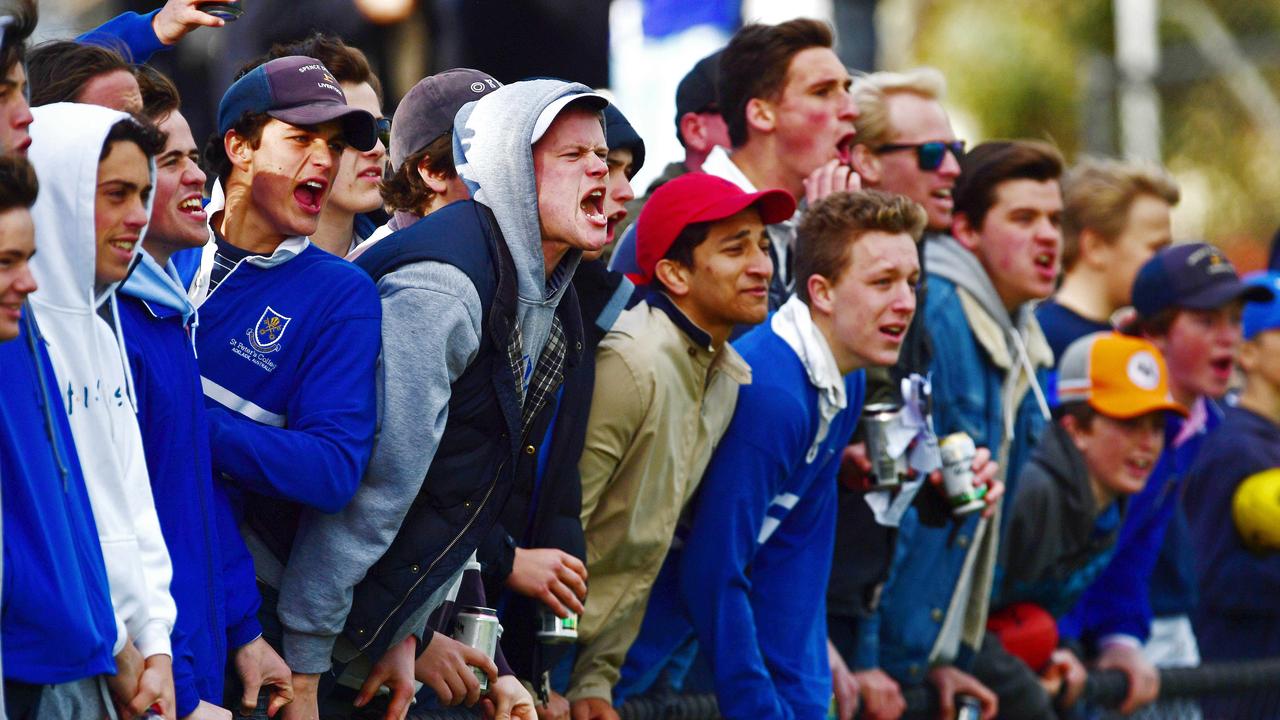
{"x":213,"y":581}
{"x":129,"y":34}
{"x":1233,"y":580}
{"x":57,"y":622}
{"x":1120,"y":601}
{"x":756,"y":562}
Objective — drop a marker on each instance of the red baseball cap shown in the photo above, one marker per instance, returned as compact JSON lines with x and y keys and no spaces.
{"x":693,"y":198}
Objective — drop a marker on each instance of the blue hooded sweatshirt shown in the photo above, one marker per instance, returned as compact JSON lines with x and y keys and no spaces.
{"x":213,"y":583}
{"x":58,"y":625}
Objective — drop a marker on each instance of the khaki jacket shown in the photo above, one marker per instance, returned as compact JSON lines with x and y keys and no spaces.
{"x":663,"y":398}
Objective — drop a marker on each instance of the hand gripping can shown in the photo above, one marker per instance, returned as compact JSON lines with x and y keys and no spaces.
{"x":557,"y":630}
{"x":957,"y":451}
{"x":887,"y":471}
{"x":968,"y":707}
{"x":479,"y":628}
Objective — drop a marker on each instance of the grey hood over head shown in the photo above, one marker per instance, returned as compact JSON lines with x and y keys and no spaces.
{"x":494,"y":157}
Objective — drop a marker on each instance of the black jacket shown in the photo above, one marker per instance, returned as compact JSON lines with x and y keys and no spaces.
{"x":547,"y":514}
{"x":484,"y":451}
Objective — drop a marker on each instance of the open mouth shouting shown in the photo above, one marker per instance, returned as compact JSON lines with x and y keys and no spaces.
{"x":1046,"y":263}
{"x":1138,"y":467}
{"x":614,"y":219}
{"x":192,"y":208}
{"x":1221,"y":366}
{"x":310,"y":195}
{"x":844,"y":149}
{"x":893,"y":332}
{"x":592,"y":207}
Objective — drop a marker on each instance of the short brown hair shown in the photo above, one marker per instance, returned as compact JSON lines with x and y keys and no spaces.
{"x":755,"y":65}
{"x":1080,"y":410}
{"x":18,"y":183}
{"x":22,"y":16}
{"x":828,"y":229}
{"x":1097,"y":195}
{"x":405,"y":189}
{"x":983,"y":168}
{"x":58,"y":70}
{"x":214,"y":156}
{"x":159,"y":95}
{"x":139,"y":131}
{"x":348,"y":64}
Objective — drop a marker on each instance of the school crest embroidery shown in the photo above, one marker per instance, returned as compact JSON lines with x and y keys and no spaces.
{"x":265,"y":336}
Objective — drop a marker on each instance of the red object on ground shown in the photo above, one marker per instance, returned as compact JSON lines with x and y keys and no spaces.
{"x":1027,"y":631}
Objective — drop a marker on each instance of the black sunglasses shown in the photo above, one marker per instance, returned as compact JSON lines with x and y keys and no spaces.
{"x":929,"y":155}
{"x":384,"y":132}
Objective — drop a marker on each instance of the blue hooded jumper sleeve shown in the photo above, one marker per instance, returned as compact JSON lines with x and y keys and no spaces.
{"x":129,"y":34}
{"x":57,"y":622}
{"x":757,"y":560}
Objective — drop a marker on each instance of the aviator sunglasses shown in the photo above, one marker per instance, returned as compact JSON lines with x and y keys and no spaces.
{"x":384,"y":132}
{"x":929,"y":155}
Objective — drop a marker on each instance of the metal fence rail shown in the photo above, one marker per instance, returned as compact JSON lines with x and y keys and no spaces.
{"x":1105,"y":688}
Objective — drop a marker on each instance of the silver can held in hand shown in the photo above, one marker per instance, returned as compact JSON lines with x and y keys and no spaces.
{"x":958,"y":451}
{"x":557,"y":630}
{"x":478,"y":627}
{"x":887,"y":472}
{"x":968,"y":707}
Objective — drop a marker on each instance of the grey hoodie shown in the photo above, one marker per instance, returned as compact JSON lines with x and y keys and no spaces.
{"x":431,"y":325}
{"x":946,"y":257}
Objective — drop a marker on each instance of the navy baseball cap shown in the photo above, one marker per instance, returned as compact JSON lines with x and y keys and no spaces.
{"x":1262,"y":315}
{"x":298,"y":90}
{"x":1196,"y":276}
{"x":696,"y":92}
{"x":620,"y":135}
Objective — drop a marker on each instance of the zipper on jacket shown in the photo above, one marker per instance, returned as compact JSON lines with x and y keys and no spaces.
{"x":480,"y":506}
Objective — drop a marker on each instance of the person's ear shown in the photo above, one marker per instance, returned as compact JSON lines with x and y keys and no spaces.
{"x":760,"y":115}
{"x":437,"y":181}
{"x":866,"y":163}
{"x":822,"y":297}
{"x":964,"y":232}
{"x":675,"y":277}
{"x":239,"y":150}
{"x":1077,"y":433}
{"x":1248,"y":355}
{"x":694,"y":132}
{"x":1093,"y":249}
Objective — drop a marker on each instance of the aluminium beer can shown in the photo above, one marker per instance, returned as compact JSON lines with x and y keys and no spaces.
{"x":557,"y":630}
{"x":968,"y":708}
{"x":958,"y":450}
{"x":478,"y":627}
{"x":887,"y":471}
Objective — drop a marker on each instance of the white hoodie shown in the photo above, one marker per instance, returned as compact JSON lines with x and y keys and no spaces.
{"x":93,"y":370}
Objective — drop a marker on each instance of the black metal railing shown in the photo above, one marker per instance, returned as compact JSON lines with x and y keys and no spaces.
{"x":1105,"y":688}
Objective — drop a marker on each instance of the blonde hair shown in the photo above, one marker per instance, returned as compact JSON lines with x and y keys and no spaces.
{"x":870,"y":91}
{"x":1097,"y":194}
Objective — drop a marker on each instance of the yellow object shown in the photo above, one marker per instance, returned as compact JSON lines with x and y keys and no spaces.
{"x":1256,"y":510}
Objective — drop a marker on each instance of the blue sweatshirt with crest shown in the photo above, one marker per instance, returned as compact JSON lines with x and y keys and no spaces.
{"x":287,"y":348}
